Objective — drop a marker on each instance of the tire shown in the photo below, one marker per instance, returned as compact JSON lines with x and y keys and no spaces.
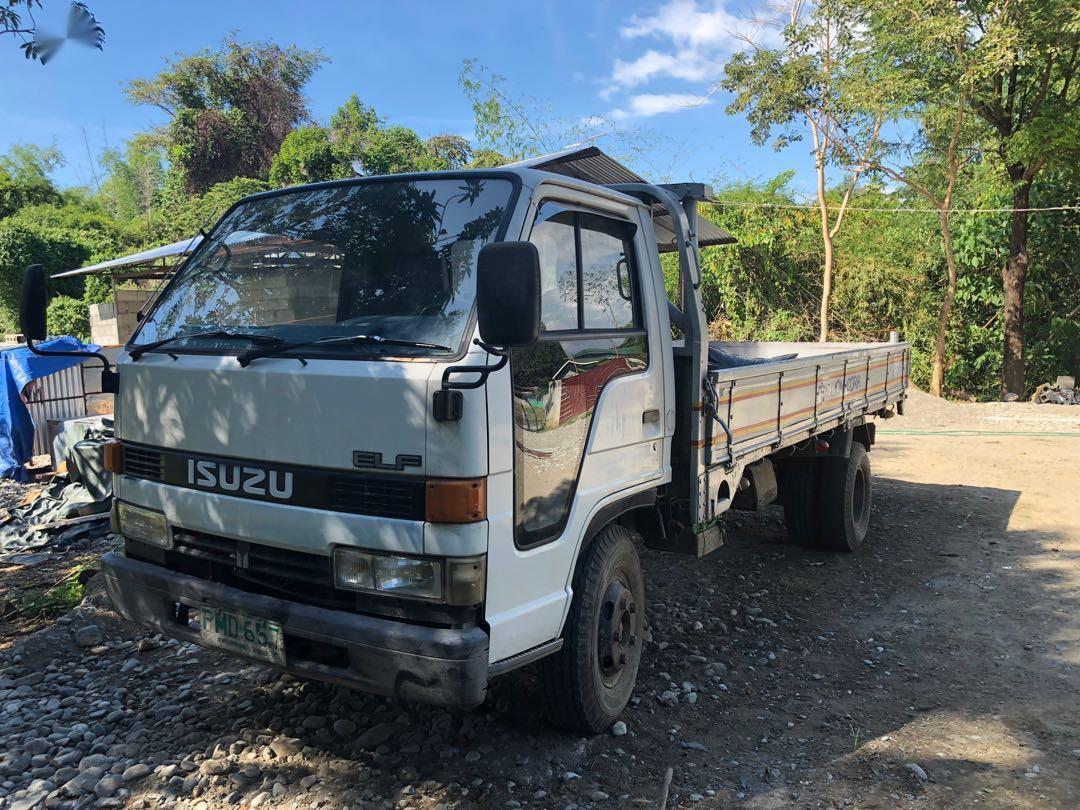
{"x":845,"y":500}
{"x":800,"y":497}
{"x":585,"y":687}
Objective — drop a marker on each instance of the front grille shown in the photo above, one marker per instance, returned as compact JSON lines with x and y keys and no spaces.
{"x":143,"y":463}
{"x":379,"y":497}
{"x":256,"y":560}
{"x":356,"y":493}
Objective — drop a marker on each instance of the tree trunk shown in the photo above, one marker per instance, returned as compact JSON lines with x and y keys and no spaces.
{"x":1013,"y":277}
{"x":827,"y":242}
{"x":937,"y":379}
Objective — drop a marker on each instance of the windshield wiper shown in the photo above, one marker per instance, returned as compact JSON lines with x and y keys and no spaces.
{"x":269,"y":340}
{"x":245,"y":358}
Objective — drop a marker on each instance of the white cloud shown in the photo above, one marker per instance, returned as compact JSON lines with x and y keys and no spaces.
{"x":704,"y":27}
{"x":652,"y":64}
{"x":648,"y":104}
{"x":689,"y":41}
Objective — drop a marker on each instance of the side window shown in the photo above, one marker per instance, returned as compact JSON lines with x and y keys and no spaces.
{"x":606,"y":248}
{"x":592,"y":332}
{"x":556,"y":243}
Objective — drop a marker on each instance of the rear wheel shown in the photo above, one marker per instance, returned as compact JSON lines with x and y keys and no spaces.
{"x":844,"y":500}
{"x":588,"y":683}
{"x":800,"y":495}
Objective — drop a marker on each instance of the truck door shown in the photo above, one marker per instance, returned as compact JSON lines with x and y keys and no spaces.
{"x":588,"y":410}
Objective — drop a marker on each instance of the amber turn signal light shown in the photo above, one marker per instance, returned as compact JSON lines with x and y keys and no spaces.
{"x":456,"y":500}
{"x":114,"y":457}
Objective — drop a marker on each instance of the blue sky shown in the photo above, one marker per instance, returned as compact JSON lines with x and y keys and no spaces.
{"x":640,"y":65}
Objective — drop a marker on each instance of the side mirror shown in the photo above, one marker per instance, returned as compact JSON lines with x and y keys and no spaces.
{"x":35,"y":296}
{"x":32,"y":308}
{"x":508,"y":294}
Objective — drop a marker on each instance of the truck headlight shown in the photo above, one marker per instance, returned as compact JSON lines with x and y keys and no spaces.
{"x":144,"y":525}
{"x":450,"y":580}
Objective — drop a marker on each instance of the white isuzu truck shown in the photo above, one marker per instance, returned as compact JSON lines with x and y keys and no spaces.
{"x":402,"y":433}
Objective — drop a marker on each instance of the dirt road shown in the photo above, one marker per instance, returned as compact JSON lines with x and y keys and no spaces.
{"x":938,"y":667}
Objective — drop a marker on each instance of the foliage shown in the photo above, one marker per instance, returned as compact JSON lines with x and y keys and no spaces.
{"x":1025,"y":56}
{"x":230,"y":109}
{"x":815,"y":83}
{"x":21,"y":245}
{"x":306,"y":156}
{"x":184,"y":215}
{"x":134,"y":180}
{"x":358,"y":141}
{"x":82,"y":27}
{"x":502,"y":124}
{"x":69,"y":316}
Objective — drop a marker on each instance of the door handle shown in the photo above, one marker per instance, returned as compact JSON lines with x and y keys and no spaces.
{"x":651,"y":416}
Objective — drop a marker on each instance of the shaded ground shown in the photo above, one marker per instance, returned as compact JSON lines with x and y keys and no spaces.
{"x":938,"y":667}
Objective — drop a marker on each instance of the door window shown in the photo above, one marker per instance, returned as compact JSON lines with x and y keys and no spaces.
{"x":592,"y":333}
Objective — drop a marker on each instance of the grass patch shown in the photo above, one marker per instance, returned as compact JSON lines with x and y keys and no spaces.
{"x":54,"y":600}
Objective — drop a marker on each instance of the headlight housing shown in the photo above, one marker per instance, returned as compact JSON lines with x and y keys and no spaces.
{"x":448,"y":580}
{"x":143,"y":525}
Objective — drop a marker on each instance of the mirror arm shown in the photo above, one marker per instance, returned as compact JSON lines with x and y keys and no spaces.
{"x":447,"y":403}
{"x":110,"y":379}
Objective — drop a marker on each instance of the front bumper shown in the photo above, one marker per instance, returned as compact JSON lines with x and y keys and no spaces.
{"x":433,"y":665}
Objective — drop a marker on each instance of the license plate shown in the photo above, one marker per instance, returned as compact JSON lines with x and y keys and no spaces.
{"x":241,"y":634}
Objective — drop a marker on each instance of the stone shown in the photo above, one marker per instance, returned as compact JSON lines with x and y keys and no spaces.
{"x":215,"y":766}
{"x":88,"y":636}
{"x":107,"y":786}
{"x":314,"y":722}
{"x":376,"y":735}
{"x":917,"y":771}
{"x":667,"y":698}
{"x":136,"y":771}
{"x":618,"y":729}
{"x":285,"y":746}
{"x":344,"y":728}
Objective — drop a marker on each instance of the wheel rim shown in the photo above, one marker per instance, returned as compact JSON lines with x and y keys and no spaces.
{"x":617,"y":636}
{"x":860,"y":497}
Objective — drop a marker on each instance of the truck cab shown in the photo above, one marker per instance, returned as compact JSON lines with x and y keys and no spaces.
{"x":401,"y":433}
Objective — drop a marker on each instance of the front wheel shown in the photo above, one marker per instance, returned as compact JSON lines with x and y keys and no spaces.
{"x":588,"y":683}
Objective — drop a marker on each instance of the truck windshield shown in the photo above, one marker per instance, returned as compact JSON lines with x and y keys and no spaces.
{"x":394,"y":258}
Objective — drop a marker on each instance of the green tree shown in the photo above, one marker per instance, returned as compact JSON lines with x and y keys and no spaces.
{"x":134,"y":180}
{"x":230,"y":109}
{"x":814,"y":83}
{"x":917,"y":49}
{"x":358,"y":141}
{"x":306,"y":156}
{"x":184,"y":215}
{"x":1026,"y":55}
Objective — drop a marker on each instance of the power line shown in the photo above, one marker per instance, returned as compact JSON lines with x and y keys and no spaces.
{"x":900,"y":209}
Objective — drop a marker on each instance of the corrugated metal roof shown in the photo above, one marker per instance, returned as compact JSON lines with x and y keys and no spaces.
{"x":592,"y":165}
{"x":181,"y":248}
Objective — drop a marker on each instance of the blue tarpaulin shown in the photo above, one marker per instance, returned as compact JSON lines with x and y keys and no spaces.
{"x":20,"y":367}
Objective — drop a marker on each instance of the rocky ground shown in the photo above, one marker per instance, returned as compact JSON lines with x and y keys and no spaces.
{"x":938,"y":667}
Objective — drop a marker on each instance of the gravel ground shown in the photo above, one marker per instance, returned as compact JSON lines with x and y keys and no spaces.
{"x":938,"y":667}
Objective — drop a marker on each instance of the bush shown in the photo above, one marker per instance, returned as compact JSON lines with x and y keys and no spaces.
{"x":69,"y":316}
{"x":22,"y":245}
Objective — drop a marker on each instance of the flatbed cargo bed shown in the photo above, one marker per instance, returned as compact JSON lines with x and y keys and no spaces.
{"x":779,"y":403}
